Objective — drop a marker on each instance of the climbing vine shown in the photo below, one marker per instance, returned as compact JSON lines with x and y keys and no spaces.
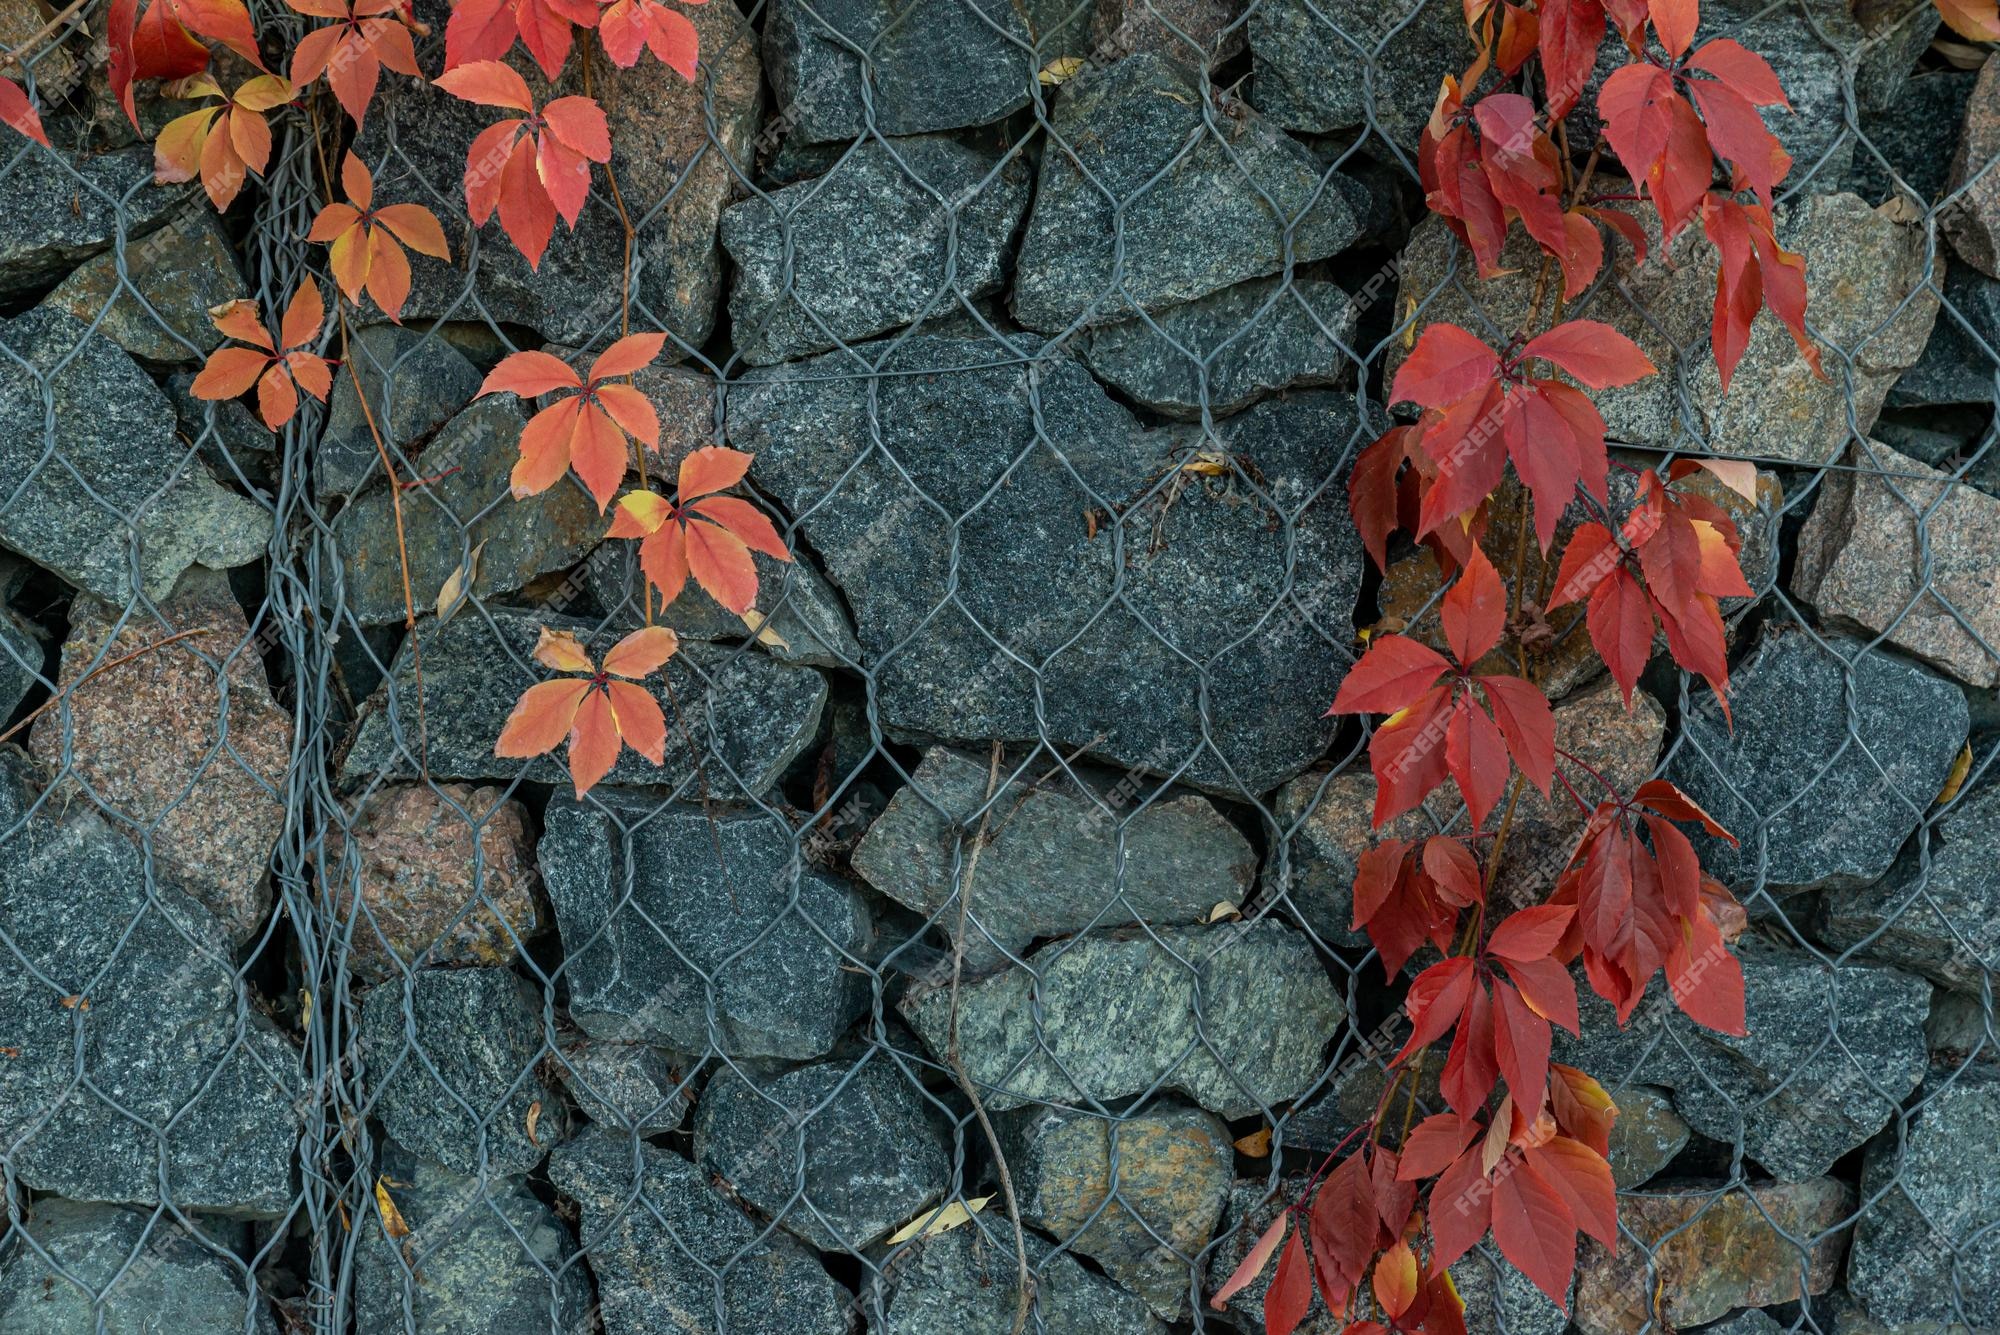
{"x":1520,"y":1149}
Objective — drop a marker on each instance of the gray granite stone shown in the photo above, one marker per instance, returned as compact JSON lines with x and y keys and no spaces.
{"x":483,"y":1257}
{"x":1204,"y":560}
{"x":174,"y":276}
{"x":466,"y":503}
{"x":964,"y":1281}
{"x":152,"y":1273}
{"x":413,"y":383}
{"x":1140,"y":1195}
{"x":628,"y":1087}
{"x":1940,"y":920}
{"x":153,"y":1021}
{"x":1927,"y":1250}
{"x":59,"y":209}
{"x":1821,"y":785}
{"x":749,"y":716}
{"x":1107,"y":239}
{"x":657,"y":932}
{"x":1321,"y":66}
{"x":451,"y":1058}
{"x":1114,"y":1013}
{"x":673,"y":1257}
{"x":890,"y":233}
{"x":1229,"y":348}
{"x":116,"y":475}
{"x":1062,"y":853}
{"x":840,"y":1153}
{"x":1798,"y":1097}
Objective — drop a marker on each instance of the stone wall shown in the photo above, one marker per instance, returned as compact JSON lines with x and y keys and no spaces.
{"x":1019,"y":838}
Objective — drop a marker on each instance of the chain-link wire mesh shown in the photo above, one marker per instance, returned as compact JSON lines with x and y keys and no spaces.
{"x":999,"y":871}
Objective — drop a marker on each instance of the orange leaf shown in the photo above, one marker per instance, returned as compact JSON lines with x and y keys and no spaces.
{"x":597,"y":452}
{"x":541,"y":718}
{"x":720,"y":563}
{"x":593,"y":741}
{"x":490,"y":83}
{"x":530,"y":374}
{"x":561,"y":650}
{"x":746,"y":522}
{"x":416,"y":227}
{"x":642,"y":653}
{"x":627,"y":355}
{"x":229,"y":372}
{"x":711,"y":468}
{"x":639,"y":720}
{"x":1396,"y":1279}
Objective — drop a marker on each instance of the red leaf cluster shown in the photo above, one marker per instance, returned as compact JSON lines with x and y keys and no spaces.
{"x":352,"y":51}
{"x":530,"y":167}
{"x":1643,"y":906}
{"x":702,"y":534}
{"x":1438,"y":728}
{"x":223,"y":144}
{"x":597,"y":715}
{"x":1673,"y":558}
{"x":163,"y":42}
{"x":585,"y":431}
{"x":1482,"y":408}
{"x":278,"y":368}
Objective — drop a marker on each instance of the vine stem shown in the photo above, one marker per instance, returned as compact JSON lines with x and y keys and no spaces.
{"x":101,"y":668}
{"x":15,"y":56}
{"x":957,"y":1061}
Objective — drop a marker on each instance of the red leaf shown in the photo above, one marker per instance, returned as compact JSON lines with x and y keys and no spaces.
{"x":1547,"y":988}
{"x":1407,"y":754}
{"x":530,"y":374}
{"x":1435,"y":999}
{"x":1531,"y":933}
{"x":1396,"y":1279}
{"x":1290,"y":1294}
{"x":1661,"y":796}
{"x":541,"y":718}
{"x":20,"y":113}
{"x":711,"y":468}
{"x":1345,"y":1224}
{"x":1461,"y":1205}
{"x":1534,"y":1230}
{"x":1621,"y":628}
{"x":1464,"y":442}
{"x":1636,"y":104}
{"x":1476,"y":756}
{"x":1591,"y":351}
{"x":1372,"y":491}
{"x":1737,"y":135}
{"x":1447,"y":364}
{"x":1253,"y":1263}
{"x":1521,"y":1046}
{"x":1395,"y":1199}
{"x":1743,"y":70}
{"x":1432,"y":1145}
{"x":720,"y":563}
{"x":1475,"y":610}
{"x":1590,"y":556}
{"x":1571,"y":32}
{"x":1583,"y":1179}
{"x":1675,"y":22}
{"x":1376,"y":873}
{"x":1527,"y":725}
{"x":1705,"y":978}
{"x":1395,"y":671}
{"x":490,"y":83}
{"x":1451,"y":864}
{"x":1469,"y":1068}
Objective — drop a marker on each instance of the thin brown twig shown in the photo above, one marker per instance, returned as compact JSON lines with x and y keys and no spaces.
{"x":957,"y":1062}
{"x":103,"y":667}
{"x":15,"y":56}
{"x":402,"y":543}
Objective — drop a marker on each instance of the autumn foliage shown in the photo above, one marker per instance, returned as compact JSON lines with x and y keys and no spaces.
{"x":1518,"y":1151}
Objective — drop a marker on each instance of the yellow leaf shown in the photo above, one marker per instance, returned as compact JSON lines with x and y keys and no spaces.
{"x":76,"y":1003}
{"x":392,"y":1218}
{"x":1059,"y":69}
{"x":452,"y":596}
{"x":1223,"y":911}
{"x":761,"y":628}
{"x":940,"y":1221}
{"x":1956,"y":779}
{"x":1739,"y":475}
{"x":1207,"y":463}
{"x":1257,"y":1144}
{"x":534,"y":1120}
